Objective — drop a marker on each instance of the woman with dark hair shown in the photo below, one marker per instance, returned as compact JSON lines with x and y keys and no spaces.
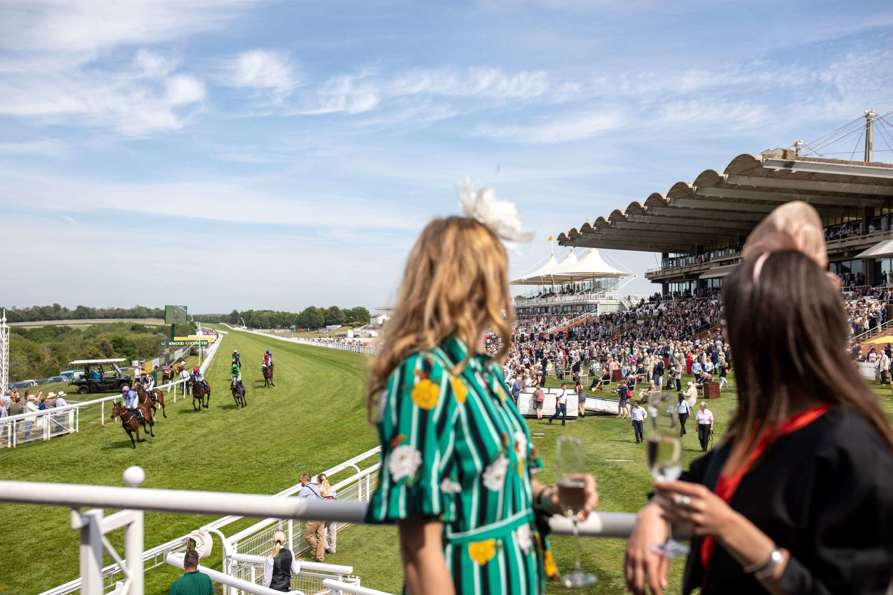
{"x":798,"y":497}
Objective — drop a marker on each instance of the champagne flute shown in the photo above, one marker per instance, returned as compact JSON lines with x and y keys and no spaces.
{"x":572,"y":499}
{"x":664,"y":450}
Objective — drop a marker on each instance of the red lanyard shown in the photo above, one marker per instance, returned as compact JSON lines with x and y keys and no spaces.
{"x":726,"y":485}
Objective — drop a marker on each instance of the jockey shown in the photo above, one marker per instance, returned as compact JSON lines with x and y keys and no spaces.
{"x":236,"y":372}
{"x":198,"y":377}
{"x":237,"y":359}
{"x":268,"y":358}
{"x":131,"y":401}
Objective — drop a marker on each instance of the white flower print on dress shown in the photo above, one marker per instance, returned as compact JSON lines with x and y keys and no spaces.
{"x":448,"y":486}
{"x":523,"y":539}
{"x":494,"y":475}
{"x":521,"y":445}
{"x":404,"y":462}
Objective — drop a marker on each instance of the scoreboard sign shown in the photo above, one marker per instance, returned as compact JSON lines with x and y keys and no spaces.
{"x":175,"y":314}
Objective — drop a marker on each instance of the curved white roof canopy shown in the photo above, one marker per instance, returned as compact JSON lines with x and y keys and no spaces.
{"x":591,"y":266}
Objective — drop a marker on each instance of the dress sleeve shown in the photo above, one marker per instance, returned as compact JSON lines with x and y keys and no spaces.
{"x":268,"y":571}
{"x":416,"y":430}
{"x":850,"y":521}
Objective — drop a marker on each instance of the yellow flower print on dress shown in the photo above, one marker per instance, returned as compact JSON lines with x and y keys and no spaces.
{"x":425,"y":394}
{"x":482,"y":552}
{"x":459,"y":389}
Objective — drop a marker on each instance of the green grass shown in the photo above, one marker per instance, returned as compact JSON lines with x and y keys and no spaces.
{"x":313,"y":419}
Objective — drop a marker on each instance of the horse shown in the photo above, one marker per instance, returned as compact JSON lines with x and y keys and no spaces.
{"x":156,"y":398}
{"x":238,"y":390}
{"x":131,"y":423}
{"x":201,"y":392}
{"x":268,"y":375}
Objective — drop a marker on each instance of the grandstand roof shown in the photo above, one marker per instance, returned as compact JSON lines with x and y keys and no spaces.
{"x":718,"y":209}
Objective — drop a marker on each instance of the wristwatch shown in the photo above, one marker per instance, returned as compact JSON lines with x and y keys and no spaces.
{"x":766,"y":569}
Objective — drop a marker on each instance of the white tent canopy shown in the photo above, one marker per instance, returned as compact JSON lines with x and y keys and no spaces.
{"x":540,"y":276}
{"x":591,"y":266}
{"x":882,"y":249}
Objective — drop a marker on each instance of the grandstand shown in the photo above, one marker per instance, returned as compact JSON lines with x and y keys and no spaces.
{"x":700,"y":227}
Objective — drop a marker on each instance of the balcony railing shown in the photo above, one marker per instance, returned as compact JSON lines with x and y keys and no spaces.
{"x":134,"y":500}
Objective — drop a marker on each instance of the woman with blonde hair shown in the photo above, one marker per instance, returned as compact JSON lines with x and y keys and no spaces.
{"x":281,"y":565}
{"x":457,"y":461}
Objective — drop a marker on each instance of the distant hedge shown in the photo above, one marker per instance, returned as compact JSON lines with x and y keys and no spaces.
{"x":310,"y":318}
{"x":57,"y":312}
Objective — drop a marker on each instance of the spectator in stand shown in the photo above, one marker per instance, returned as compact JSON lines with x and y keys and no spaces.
{"x":516,"y":390}
{"x":60,"y":399}
{"x":638,"y":415}
{"x":313,"y":531}
{"x":192,"y":582}
{"x":704,"y":418}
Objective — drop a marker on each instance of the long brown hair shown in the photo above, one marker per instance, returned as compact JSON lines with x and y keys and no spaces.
{"x":455,"y":284}
{"x":788,"y":331}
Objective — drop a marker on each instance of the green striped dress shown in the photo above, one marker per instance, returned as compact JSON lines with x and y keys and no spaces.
{"x":455,"y":448}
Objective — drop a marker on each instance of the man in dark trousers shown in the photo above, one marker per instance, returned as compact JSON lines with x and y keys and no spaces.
{"x":560,"y":405}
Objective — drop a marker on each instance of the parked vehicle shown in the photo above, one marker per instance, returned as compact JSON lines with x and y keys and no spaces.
{"x":71,"y":374}
{"x":21,"y":384}
{"x":56,"y":379}
{"x":100,"y":375}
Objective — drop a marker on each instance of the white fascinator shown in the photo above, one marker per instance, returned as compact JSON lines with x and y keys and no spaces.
{"x":501,"y":216}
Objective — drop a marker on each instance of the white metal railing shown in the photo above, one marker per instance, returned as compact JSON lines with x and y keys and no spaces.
{"x":337,"y":587}
{"x":252,"y":543}
{"x":342,"y":345}
{"x":37,"y":426}
{"x":156,"y":556}
{"x":229,"y":581}
{"x":134,"y":500}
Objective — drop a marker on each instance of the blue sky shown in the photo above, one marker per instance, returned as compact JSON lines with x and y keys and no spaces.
{"x":238,"y":153}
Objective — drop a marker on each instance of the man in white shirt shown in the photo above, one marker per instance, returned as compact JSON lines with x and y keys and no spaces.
{"x":705,"y":425}
{"x":560,"y":405}
{"x":638,"y":416}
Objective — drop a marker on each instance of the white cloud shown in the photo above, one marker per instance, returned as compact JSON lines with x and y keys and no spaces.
{"x":153,"y":65}
{"x":91,"y":26}
{"x":35,"y":148}
{"x":570,"y":127}
{"x":230,"y":200}
{"x":184,"y":90}
{"x":262,"y":70}
{"x":477,"y":82}
{"x":350,"y":94}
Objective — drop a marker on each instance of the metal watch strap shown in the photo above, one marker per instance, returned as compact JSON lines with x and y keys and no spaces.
{"x":766,"y":570}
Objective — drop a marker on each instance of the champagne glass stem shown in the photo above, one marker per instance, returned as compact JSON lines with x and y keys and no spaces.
{"x":578,"y":566}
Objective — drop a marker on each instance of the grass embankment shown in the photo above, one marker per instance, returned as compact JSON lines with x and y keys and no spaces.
{"x":313,"y":419}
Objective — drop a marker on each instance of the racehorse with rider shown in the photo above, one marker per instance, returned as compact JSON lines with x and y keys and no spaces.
{"x":236,"y":386}
{"x":267,"y":368}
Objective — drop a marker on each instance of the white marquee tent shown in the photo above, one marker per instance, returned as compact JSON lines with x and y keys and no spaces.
{"x":591,"y":266}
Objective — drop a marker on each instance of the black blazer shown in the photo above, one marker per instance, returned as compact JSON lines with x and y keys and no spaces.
{"x":825,"y":493}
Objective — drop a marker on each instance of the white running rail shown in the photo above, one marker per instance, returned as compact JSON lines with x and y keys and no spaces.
{"x":134,"y":500}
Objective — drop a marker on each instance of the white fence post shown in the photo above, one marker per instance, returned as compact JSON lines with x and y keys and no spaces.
{"x":91,"y":549}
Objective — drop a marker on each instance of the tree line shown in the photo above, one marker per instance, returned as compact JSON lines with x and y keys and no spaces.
{"x":58,"y":312}
{"x":311,"y":318}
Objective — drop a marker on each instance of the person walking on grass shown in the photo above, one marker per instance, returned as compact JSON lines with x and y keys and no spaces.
{"x":560,"y":405}
{"x":683,"y":410}
{"x":704,"y":417}
{"x":581,"y":399}
{"x":280,"y":566}
{"x":313,"y":532}
{"x":638,"y":416}
{"x":192,"y":582}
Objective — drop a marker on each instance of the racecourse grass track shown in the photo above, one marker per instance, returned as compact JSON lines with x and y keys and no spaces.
{"x":313,"y":419}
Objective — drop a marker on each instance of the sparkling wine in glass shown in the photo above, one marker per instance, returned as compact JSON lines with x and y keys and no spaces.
{"x":572,"y":499}
{"x":664,"y":451}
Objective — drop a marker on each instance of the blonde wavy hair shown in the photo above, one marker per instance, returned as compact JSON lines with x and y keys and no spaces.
{"x":455,"y":284}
